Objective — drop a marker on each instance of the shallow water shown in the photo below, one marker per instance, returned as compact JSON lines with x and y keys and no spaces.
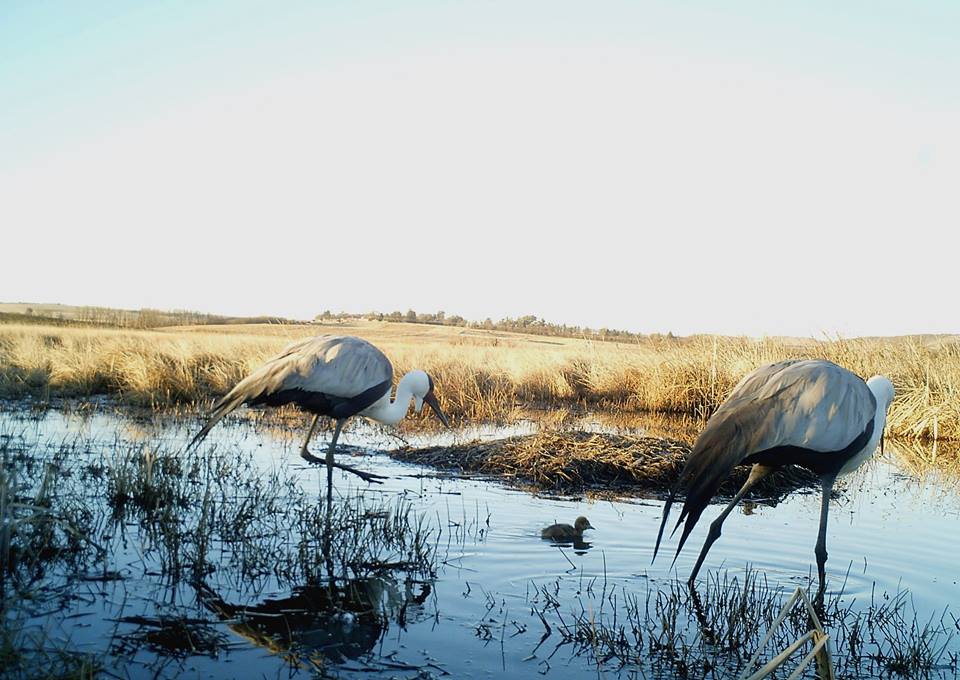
{"x":889,"y":531}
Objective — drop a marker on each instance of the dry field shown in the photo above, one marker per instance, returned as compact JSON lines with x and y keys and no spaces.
{"x":485,"y":375}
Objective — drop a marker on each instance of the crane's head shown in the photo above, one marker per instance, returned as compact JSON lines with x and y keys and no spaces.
{"x":882,"y":390}
{"x":421,"y":385}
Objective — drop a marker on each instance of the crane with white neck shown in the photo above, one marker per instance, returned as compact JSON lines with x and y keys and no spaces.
{"x":810,"y":413}
{"x":334,"y":376}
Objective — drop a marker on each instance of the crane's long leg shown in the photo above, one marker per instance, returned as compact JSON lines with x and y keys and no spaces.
{"x":821,"y":549}
{"x":330,"y":462}
{"x":304,"y":452}
{"x":757,"y":473}
{"x":330,"y":450}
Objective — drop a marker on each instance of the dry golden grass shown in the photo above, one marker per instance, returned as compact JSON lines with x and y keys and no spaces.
{"x":481,"y":375}
{"x":935,"y":461}
{"x":143,"y":367}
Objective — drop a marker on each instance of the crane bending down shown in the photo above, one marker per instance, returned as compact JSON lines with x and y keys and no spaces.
{"x":809,"y":413}
{"x":335,"y":376}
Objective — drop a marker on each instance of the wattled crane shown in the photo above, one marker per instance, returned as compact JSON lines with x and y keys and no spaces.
{"x":335,"y":376}
{"x":809,"y":413}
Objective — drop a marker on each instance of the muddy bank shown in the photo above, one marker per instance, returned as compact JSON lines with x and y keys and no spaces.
{"x":577,"y":461}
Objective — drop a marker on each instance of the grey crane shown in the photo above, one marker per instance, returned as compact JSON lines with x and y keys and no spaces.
{"x":811,"y":413}
{"x":335,"y":376}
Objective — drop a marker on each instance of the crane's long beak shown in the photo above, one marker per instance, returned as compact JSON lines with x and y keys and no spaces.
{"x":431,"y":399}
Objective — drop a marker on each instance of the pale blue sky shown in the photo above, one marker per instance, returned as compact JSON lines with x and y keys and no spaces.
{"x":751,"y":167}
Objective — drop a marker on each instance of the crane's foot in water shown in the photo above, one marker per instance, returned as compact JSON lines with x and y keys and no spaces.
{"x":365,"y":476}
{"x":310,"y":458}
{"x":818,"y":604}
{"x":709,"y":634}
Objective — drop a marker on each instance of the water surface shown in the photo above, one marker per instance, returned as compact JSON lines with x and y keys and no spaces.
{"x":476,"y":616}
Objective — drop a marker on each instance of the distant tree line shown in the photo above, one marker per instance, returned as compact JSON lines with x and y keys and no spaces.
{"x":156,"y":318}
{"x":525,"y":324}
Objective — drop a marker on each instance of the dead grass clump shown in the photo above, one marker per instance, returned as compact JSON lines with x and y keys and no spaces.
{"x":586,"y":461}
{"x":564,"y":460}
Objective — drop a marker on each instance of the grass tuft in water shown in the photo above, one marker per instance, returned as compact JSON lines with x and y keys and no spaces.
{"x":80,"y":513}
{"x":673,"y":631}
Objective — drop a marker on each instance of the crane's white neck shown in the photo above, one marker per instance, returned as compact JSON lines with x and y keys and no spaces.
{"x":391,"y":411}
{"x":882,"y":390}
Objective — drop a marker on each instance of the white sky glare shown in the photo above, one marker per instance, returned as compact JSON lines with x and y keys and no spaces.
{"x":752,"y":168}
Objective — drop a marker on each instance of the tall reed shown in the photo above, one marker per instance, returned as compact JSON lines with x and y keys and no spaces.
{"x":479,"y":375}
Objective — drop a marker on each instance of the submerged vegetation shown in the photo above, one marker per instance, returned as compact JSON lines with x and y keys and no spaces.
{"x":78,"y":512}
{"x":481,"y":375}
{"x":712,"y":632}
{"x":123,"y":554}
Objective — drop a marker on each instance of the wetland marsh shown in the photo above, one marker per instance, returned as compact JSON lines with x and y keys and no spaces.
{"x":125,"y":556}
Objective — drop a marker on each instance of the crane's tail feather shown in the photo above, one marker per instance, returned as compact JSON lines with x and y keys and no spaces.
{"x":693,"y":505}
{"x":717,"y":451}
{"x":227,"y":404}
{"x":701,"y":487}
{"x":663,"y":523}
{"x":263,"y":381}
{"x":692,"y":515}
